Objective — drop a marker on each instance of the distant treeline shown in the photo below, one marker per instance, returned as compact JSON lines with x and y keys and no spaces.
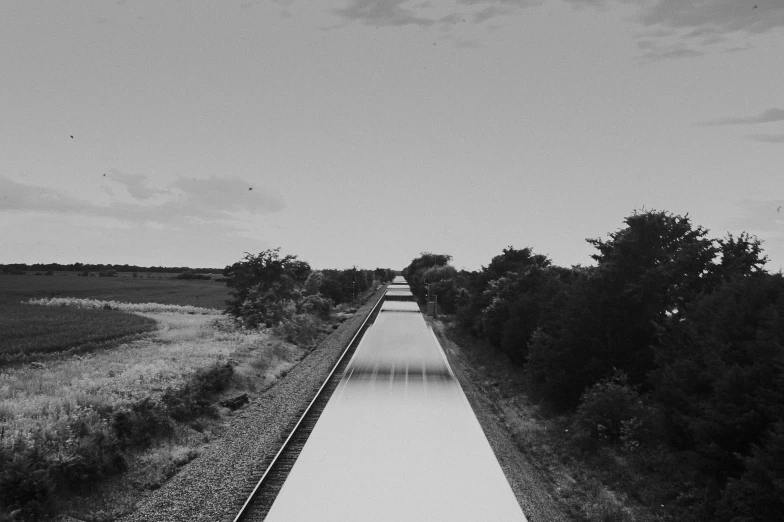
{"x":82,"y":267}
{"x":671,"y":348}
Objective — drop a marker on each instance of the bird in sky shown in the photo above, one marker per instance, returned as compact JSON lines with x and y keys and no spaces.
{"x":251,"y":188}
{"x":71,"y":136}
{"x":779,"y":209}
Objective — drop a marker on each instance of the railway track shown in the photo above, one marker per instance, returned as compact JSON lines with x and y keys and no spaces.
{"x":260,"y":501}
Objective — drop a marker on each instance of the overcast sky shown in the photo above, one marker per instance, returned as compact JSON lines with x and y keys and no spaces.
{"x":362,"y":132}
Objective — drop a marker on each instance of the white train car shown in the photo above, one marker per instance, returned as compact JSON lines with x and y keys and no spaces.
{"x":399,"y":291}
{"x":398,"y":439}
{"x":399,"y":295}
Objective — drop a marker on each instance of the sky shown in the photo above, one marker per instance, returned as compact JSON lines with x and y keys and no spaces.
{"x":363,"y":132}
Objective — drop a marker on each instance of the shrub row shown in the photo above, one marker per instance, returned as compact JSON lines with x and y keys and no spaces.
{"x":193,"y":275}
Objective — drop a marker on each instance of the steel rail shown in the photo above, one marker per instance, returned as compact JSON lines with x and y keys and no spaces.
{"x":360,"y":331}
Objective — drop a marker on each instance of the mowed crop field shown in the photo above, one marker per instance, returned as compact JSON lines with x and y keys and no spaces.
{"x":27,"y":329}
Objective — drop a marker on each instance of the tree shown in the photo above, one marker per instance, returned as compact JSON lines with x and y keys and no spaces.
{"x":720,"y":372}
{"x":264,"y":286}
{"x":482,"y":308}
{"x":740,"y":257}
{"x":514,"y":260}
{"x":415,"y":271}
{"x":647,"y":272}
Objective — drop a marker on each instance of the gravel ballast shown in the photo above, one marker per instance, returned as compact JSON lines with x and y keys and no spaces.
{"x":213,"y":486}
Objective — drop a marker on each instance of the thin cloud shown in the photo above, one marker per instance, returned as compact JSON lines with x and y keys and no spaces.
{"x":738,"y":49}
{"x":704,"y":16}
{"x":654,"y":51}
{"x":226,"y":195}
{"x":767,"y":138}
{"x":517,"y":3}
{"x":718,"y":16}
{"x":135,"y":184}
{"x":490,"y":12}
{"x":701,"y":22}
{"x":382,"y":13}
{"x":19,"y":196}
{"x":396,"y":13}
{"x":769,"y":116}
{"x":182,"y":202}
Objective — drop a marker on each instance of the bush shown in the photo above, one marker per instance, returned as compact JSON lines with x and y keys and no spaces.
{"x":24,"y":481}
{"x":612,"y":410}
{"x":266,"y":310}
{"x":193,"y":399}
{"x":302,"y":330}
{"x":68,"y":456}
{"x":758,"y":495}
{"x":316,"y":305}
{"x":137,"y":425}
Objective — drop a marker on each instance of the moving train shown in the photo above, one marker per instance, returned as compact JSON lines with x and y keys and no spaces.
{"x":398,"y":439}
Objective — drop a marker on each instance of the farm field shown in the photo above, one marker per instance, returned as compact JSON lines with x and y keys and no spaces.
{"x":167,"y":290}
{"x":28,"y":329}
{"x":34,"y":330}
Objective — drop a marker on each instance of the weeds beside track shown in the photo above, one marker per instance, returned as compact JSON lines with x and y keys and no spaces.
{"x":260,"y":500}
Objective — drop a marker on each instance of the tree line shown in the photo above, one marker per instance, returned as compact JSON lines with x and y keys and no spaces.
{"x":672,"y":341}
{"x":99,"y":267}
{"x":269,"y":289}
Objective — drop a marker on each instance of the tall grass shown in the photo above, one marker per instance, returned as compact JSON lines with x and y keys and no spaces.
{"x":82,"y":419}
{"x":98,"y":304}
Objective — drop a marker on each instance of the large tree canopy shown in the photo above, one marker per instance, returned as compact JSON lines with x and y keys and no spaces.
{"x":264,"y":282}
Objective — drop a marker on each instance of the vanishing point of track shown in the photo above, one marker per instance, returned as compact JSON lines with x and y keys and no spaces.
{"x":263,"y":495}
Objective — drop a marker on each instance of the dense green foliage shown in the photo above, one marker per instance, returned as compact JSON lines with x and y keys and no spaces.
{"x":431,"y":275}
{"x":673,"y":341}
{"x":270,"y":290}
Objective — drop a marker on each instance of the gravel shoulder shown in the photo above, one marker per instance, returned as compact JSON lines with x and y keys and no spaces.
{"x":213,"y":486}
{"x":532,"y":486}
